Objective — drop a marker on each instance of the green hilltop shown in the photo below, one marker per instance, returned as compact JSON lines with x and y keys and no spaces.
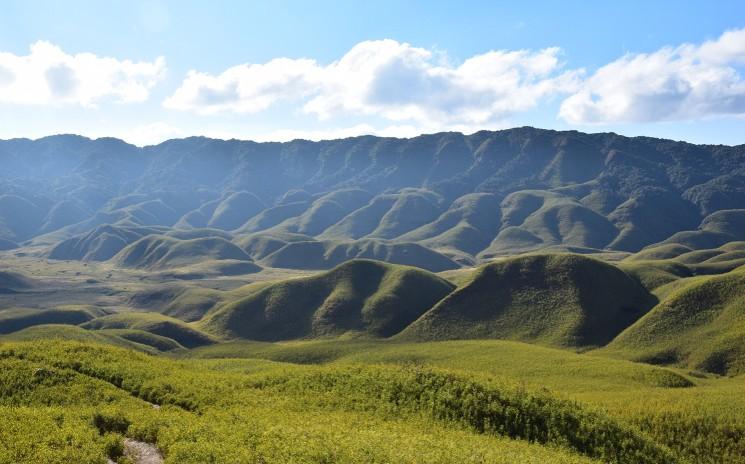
{"x":559,"y":300}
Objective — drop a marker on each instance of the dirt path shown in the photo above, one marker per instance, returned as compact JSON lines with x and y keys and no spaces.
{"x":140,"y":452}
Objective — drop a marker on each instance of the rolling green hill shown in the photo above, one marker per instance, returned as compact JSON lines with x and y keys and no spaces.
{"x":558,"y":300}
{"x":157,"y":324}
{"x":155,"y":252}
{"x":12,"y":282}
{"x":235,"y":210}
{"x":327,"y":254}
{"x":359,"y":297}
{"x":130,"y":339}
{"x":468,"y":225}
{"x":100,"y":244}
{"x":15,"y":319}
{"x":698,"y":325}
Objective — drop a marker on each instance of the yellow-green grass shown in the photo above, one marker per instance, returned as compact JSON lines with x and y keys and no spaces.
{"x":701,"y":416}
{"x":72,"y":402}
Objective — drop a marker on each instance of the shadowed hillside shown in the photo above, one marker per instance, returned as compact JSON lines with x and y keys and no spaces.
{"x":561,"y":300}
{"x":358,"y":297}
{"x":12,"y":282}
{"x":15,"y":319}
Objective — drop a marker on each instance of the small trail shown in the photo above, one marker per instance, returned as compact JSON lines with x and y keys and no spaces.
{"x":140,"y":452}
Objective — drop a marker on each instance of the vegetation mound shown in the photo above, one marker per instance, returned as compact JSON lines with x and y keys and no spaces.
{"x":561,"y":300}
{"x":12,"y":282}
{"x":327,"y":254}
{"x":358,"y":297}
{"x":124,"y":338}
{"x":699,"y":325}
{"x":502,"y":411}
{"x":469,"y":225}
{"x":15,"y":319}
{"x":156,"y":252}
{"x":235,"y":210}
{"x":157,"y":324}
{"x":187,"y":303}
{"x":100,"y":244}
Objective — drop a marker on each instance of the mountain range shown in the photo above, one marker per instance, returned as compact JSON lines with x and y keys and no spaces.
{"x":437,"y":201}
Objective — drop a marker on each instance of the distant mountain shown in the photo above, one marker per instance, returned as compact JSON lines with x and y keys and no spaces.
{"x":467,"y":198}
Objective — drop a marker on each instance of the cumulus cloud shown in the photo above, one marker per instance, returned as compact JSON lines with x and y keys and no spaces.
{"x":388,"y":79}
{"x":680,"y":83}
{"x":248,"y":88}
{"x":49,"y":75}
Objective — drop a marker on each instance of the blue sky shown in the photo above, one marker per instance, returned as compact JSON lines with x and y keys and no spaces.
{"x":150,"y":70}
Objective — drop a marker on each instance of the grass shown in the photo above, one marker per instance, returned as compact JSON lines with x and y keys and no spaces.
{"x":699,"y":416}
{"x":85,"y":399}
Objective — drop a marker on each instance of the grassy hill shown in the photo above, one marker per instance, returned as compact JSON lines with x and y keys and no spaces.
{"x":130,"y":339}
{"x":179,"y":301}
{"x":157,"y":324}
{"x":327,"y":254}
{"x":468,"y":225}
{"x":559,"y":300}
{"x":15,"y":319}
{"x":698,"y":325}
{"x":358,"y":297}
{"x":235,"y":210}
{"x":160,"y":252}
{"x":100,"y":244}
{"x":12,"y":282}
{"x":536,"y":219}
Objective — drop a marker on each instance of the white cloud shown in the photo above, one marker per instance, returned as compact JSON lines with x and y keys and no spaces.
{"x":248,"y":88}
{"x":682,"y":83}
{"x":48,"y":75}
{"x":387,"y":79}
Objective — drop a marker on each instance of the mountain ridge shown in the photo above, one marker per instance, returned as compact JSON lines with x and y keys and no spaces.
{"x":469,"y":198}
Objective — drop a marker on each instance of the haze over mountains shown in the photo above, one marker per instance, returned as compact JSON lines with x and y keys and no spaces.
{"x":435,"y":201}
